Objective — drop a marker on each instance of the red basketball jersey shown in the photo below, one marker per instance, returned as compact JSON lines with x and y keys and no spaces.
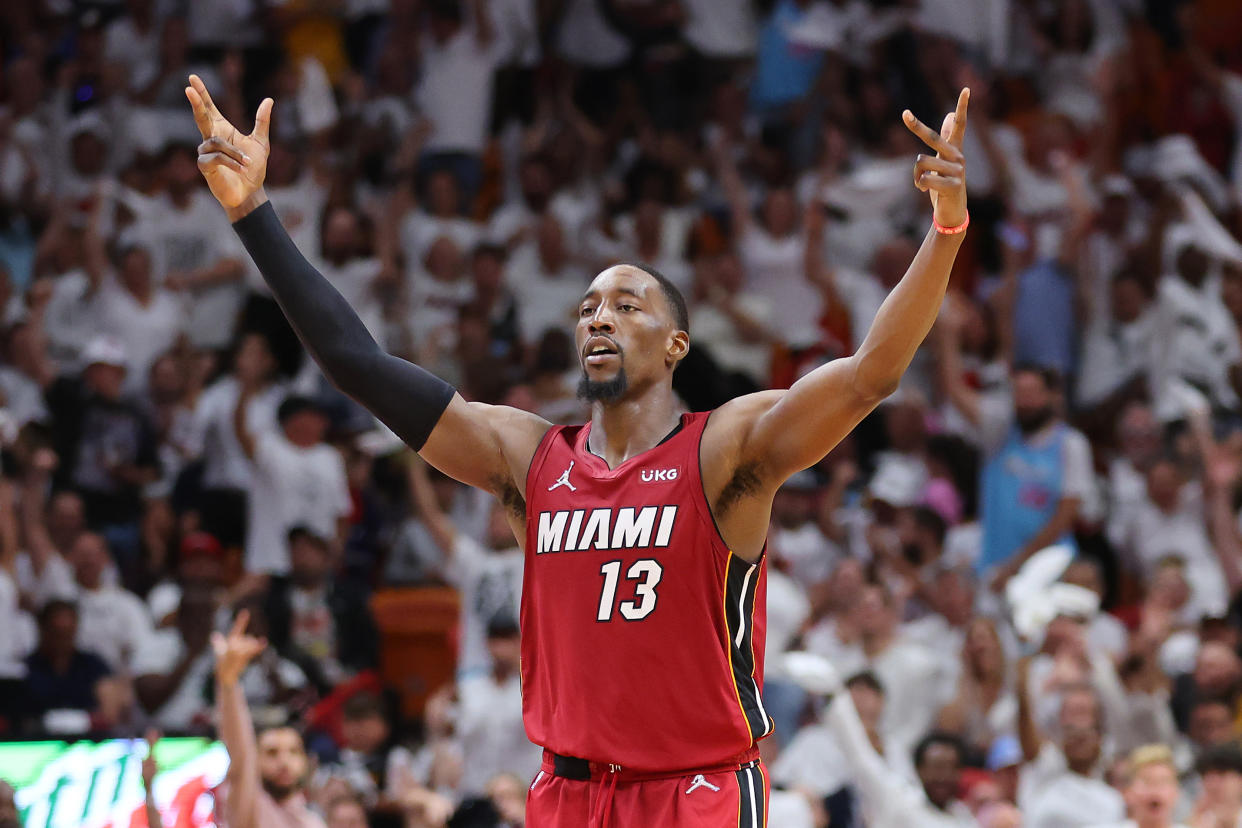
{"x":642,"y":634}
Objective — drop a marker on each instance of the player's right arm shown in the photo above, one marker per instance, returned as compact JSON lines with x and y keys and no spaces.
{"x":485,"y":446}
{"x":233,"y":653}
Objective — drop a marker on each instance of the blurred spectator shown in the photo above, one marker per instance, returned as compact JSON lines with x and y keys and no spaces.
{"x":489,"y":719}
{"x":173,"y":667}
{"x":106,"y":445}
{"x":115,"y":623}
{"x":489,"y":579}
{"x":321,"y":622}
{"x":1151,"y":788}
{"x":62,"y":677}
{"x":299,"y":481}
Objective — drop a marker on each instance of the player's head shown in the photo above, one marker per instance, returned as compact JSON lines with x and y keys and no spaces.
{"x":283,"y":763}
{"x":1152,"y":790}
{"x":8,"y":806}
{"x":938,"y":762}
{"x":633,"y":329}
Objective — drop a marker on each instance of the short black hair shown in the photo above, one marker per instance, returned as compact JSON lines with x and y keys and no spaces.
{"x":866,"y":679}
{"x":295,"y":404}
{"x":54,"y":606}
{"x":1050,"y":375}
{"x":364,"y":706}
{"x":928,"y":518}
{"x":681,"y":315}
{"x":1226,"y":758}
{"x":939,"y":737}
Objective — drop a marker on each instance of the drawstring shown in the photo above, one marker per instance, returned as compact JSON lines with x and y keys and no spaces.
{"x":608,"y":793}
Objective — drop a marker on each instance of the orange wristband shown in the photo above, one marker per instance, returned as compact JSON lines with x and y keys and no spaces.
{"x":951,"y":231}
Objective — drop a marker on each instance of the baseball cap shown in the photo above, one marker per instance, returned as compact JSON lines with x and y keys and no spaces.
{"x":105,"y":350}
{"x":200,"y":545}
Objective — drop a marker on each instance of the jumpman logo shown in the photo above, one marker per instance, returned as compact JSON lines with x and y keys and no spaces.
{"x":563,"y":480}
{"x":700,"y":781}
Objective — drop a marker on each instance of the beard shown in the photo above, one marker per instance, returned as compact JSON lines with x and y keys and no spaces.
{"x":280,"y":792}
{"x":1032,"y":420}
{"x":604,"y":391}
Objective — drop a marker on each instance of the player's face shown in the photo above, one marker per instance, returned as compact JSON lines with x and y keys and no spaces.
{"x":1153,"y":794}
{"x":626,"y":337}
{"x":282,"y":761}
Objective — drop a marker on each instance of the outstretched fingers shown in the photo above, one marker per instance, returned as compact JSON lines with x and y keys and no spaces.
{"x":263,"y":121}
{"x":202,"y":117}
{"x":958,"y":131}
{"x":239,"y":624}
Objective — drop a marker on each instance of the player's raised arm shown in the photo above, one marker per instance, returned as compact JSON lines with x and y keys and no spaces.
{"x":485,"y":446}
{"x":822,"y":407}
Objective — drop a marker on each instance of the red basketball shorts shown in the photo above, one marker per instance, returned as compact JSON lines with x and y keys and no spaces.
{"x":731,"y":797}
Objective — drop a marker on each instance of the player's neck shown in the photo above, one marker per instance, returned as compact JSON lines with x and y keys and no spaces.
{"x":636,"y":424}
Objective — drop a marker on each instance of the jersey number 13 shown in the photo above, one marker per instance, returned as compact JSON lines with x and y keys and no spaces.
{"x":646,"y":573}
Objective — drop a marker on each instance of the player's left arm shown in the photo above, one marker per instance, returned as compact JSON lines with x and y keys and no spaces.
{"x":805,"y":422}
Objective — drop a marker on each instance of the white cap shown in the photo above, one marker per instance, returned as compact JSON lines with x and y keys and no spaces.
{"x":104,"y":350}
{"x":88,"y":122}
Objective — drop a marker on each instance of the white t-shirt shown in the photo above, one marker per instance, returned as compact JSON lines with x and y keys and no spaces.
{"x":1052,"y":796}
{"x":420,"y":230}
{"x":490,"y":584}
{"x":721,"y":28}
{"x":195,"y":237}
{"x":916,"y":685}
{"x":138,"y":51}
{"x":434,"y":307}
{"x":291,"y":487}
{"x":113,"y":623}
{"x":1147,"y":534}
{"x":1112,"y":355}
{"x":22,"y":397}
{"x":813,"y":759}
{"x":490,"y":729}
{"x":355,"y":280}
{"x":586,"y":39}
{"x":455,"y":92}
{"x":214,"y":437}
{"x":545,"y":300}
{"x":69,"y":319}
{"x":145,"y":331}
{"x":715,"y":331}
{"x":300,"y":207}
{"x":13,"y":646}
{"x":55,"y":581}
{"x":775,"y":269}
{"x":159,"y":655}
{"x":1197,"y":338}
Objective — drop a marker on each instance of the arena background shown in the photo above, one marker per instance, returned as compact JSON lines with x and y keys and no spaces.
{"x":460,"y":169}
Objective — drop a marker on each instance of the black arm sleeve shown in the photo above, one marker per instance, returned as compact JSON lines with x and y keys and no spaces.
{"x":406,"y":398}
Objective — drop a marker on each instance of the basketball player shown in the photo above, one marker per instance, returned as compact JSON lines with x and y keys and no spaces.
{"x":643,"y":604}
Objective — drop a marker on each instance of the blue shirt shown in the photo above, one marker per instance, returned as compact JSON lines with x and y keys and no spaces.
{"x":784,"y":71}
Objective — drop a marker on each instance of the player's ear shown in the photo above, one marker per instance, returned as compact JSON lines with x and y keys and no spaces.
{"x":678,"y":347}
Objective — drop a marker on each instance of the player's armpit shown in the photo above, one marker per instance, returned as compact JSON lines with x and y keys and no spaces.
{"x":486,"y":446}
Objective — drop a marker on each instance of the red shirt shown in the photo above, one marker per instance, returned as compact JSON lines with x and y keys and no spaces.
{"x":642,"y":634}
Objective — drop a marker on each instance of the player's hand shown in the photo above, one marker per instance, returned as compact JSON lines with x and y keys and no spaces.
{"x":234,"y":164}
{"x":235,"y":651}
{"x":943,"y":176}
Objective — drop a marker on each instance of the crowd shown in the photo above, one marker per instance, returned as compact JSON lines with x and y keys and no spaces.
{"x":460,"y":169}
